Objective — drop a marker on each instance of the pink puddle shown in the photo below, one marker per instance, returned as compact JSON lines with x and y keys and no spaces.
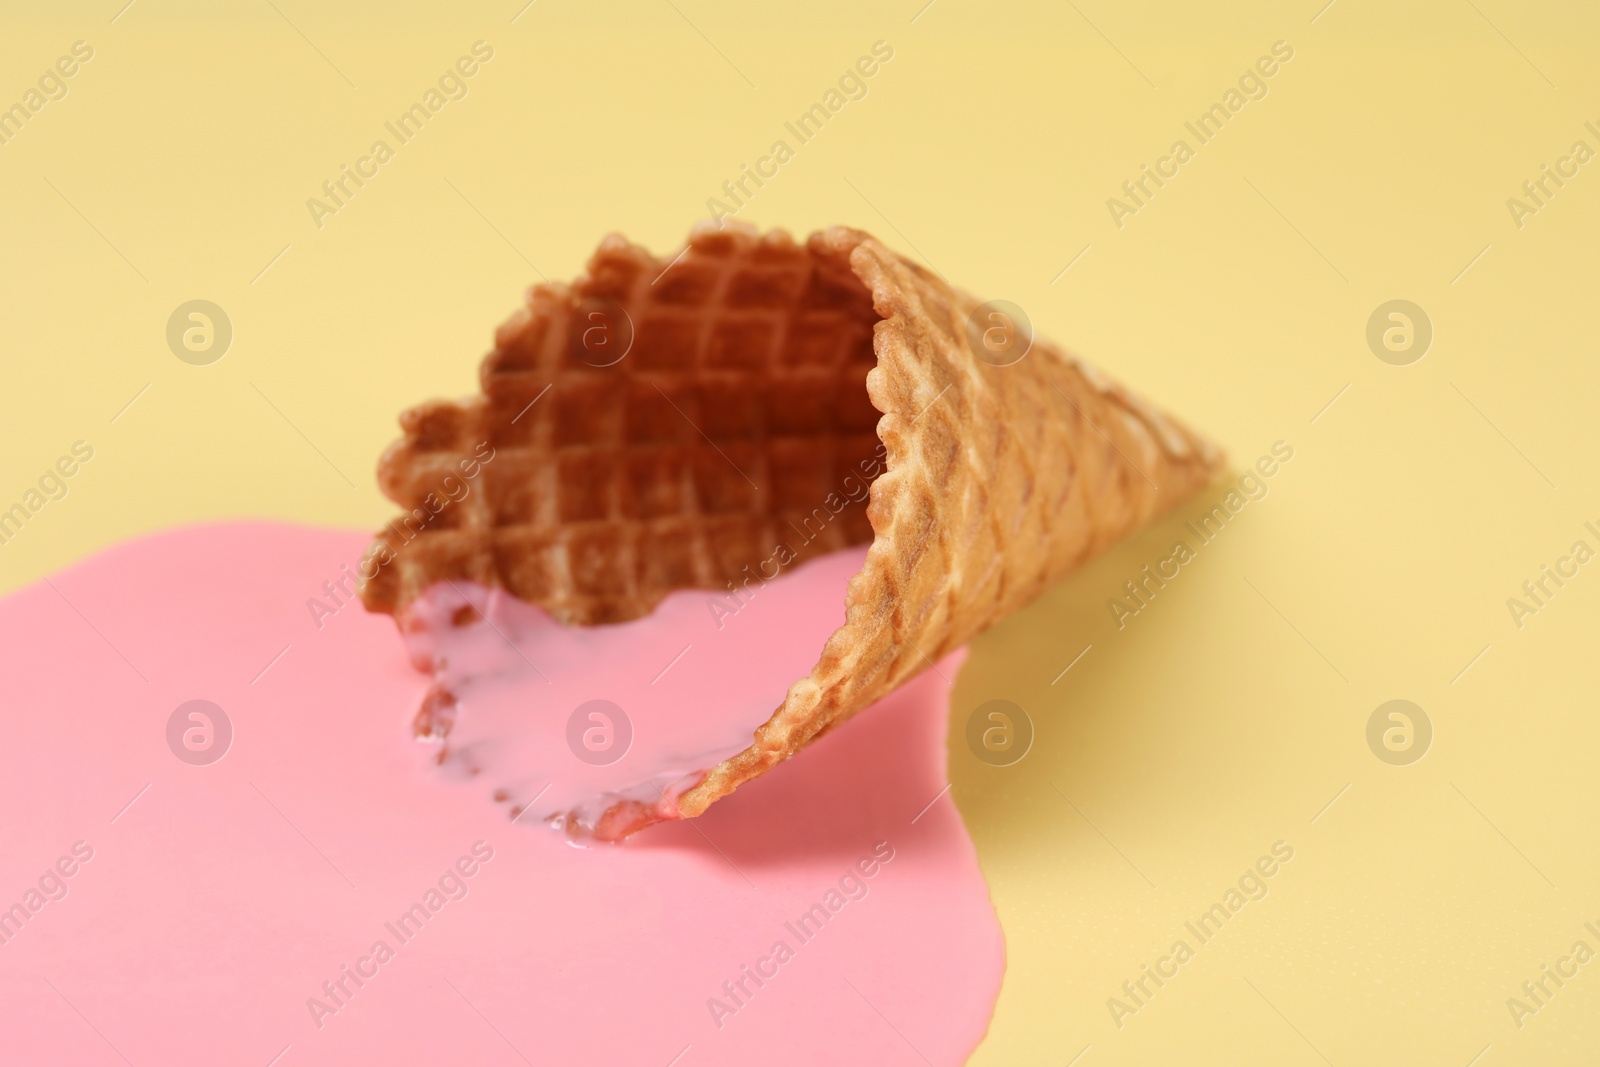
{"x":220,"y":904}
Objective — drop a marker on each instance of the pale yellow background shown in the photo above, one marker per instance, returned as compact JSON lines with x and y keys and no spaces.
{"x":1176,"y":751}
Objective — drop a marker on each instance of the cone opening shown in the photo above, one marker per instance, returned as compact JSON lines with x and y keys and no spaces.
{"x":702,"y":422}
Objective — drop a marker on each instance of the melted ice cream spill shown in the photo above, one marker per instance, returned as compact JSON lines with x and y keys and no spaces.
{"x":270,"y":893}
{"x":563,"y":724}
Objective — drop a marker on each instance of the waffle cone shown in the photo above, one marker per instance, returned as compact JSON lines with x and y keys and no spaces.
{"x":760,"y":380}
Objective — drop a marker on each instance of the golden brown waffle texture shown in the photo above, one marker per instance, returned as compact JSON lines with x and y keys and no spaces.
{"x":758,"y":381}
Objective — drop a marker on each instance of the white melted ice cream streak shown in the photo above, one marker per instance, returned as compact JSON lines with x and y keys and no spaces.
{"x":564,"y":724}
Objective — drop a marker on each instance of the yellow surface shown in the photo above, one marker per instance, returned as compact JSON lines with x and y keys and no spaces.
{"x":1229,"y":712}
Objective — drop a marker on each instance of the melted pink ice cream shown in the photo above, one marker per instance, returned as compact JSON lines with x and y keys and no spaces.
{"x":651,"y":704}
{"x":322,"y":896}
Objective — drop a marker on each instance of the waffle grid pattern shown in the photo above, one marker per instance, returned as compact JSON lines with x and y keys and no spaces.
{"x":737,"y":420}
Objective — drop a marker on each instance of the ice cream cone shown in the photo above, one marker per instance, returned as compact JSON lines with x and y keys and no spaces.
{"x":670,"y":424}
